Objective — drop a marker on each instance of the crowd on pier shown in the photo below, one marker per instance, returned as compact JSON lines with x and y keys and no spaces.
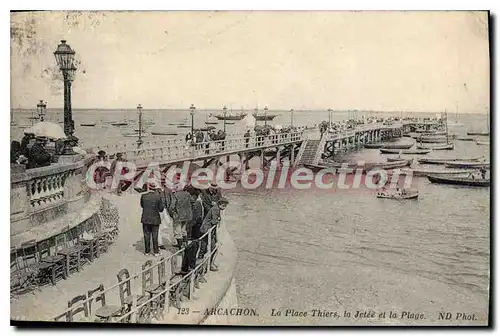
{"x":192,"y":213}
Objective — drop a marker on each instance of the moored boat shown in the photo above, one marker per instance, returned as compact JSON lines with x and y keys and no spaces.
{"x":465,"y":181}
{"x":482,"y":143}
{"x":465,"y":139}
{"x":425,"y":172}
{"x":397,"y":146}
{"x":444,"y":160}
{"x":164,"y":133}
{"x":403,"y":151}
{"x":437,"y":147}
{"x":479,"y":133}
{"x":262,"y":117}
{"x":211,"y":122}
{"x":405,"y":194}
{"x":366,"y":166}
{"x":88,"y":124}
{"x":466,"y":164}
{"x":230,"y":116}
{"x":119,"y":123}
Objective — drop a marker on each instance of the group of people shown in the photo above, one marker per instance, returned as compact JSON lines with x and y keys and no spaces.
{"x":202,"y":138}
{"x":193,"y":212}
{"x":31,"y":151}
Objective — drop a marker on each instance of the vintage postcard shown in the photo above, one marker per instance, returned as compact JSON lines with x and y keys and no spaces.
{"x":250,"y":168}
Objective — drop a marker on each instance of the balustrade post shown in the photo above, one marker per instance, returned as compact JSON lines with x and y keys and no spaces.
{"x":209,"y":250}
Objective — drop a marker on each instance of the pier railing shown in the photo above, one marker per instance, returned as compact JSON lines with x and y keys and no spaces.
{"x":159,"y":299}
{"x":179,"y":150}
{"x":364,"y":128}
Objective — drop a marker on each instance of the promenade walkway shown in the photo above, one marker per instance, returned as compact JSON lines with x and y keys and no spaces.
{"x":126,"y":252}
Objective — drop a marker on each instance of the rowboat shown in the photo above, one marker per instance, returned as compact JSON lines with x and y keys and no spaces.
{"x":479,"y":133}
{"x":88,"y":125}
{"x":444,"y":160}
{"x":482,"y":143}
{"x":439,"y":139}
{"x":465,"y":181}
{"x":425,"y":172}
{"x":465,"y":139}
{"x":122,"y":123}
{"x":164,"y":133}
{"x":397,"y":146}
{"x":211,"y":122}
{"x":183,"y":126}
{"x":229,"y":122}
{"x":367,"y":166}
{"x":413,"y":194}
{"x":408,"y":151}
{"x":466,"y":164}
{"x":437,"y":147}
{"x":395,"y":159}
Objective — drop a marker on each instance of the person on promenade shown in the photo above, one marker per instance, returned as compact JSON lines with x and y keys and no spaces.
{"x":152,"y":206}
{"x":193,"y":230}
{"x":38,"y":156}
{"x":101,"y":171}
{"x":212,"y":219}
{"x":122,"y":184}
{"x":181,"y":213}
{"x":26,"y":142}
{"x":247,"y":137}
{"x":210,"y":195}
{"x":189,"y":138}
{"x":15,"y":151}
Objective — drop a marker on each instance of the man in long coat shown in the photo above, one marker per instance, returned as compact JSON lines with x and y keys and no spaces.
{"x":152,"y":206}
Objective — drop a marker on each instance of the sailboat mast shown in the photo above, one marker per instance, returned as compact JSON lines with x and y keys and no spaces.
{"x":446,"y":125}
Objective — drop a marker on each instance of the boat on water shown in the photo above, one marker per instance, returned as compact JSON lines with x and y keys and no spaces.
{"x":479,"y":133}
{"x":211,"y":122}
{"x":403,"y":195}
{"x":119,"y":123}
{"x":175,"y":123}
{"x":164,"y":133}
{"x":482,"y":143}
{"x":230,"y":123}
{"x":230,"y":116}
{"x":88,"y":124}
{"x":183,"y":126}
{"x":425,"y":172}
{"x":366,"y":166}
{"x":466,"y":164}
{"x":264,"y":117}
{"x":404,"y":151}
{"x":465,"y":181}
{"x":465,"y":139}
{"x":397,"y":146}
{"x":437,"y":147}
{"x":444,"y":160}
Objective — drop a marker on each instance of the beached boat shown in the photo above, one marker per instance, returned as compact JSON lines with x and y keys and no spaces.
{"x":410,"y":194}
{"x":437,"y":147}
{"x":374,"y":145}
{"x":438,"y":139}
{"x":404,"y":151}
{"x":444,"y":160}
{"x":482,"y":143}
{"x":465,"y":181}
{"x":88,"y":125}
{"x":466,"y":164}
{"x":425,"y":172}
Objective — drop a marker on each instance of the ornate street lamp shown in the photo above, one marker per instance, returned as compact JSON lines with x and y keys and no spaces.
{"x":224,"y":109}
{"x":191,"y":111}
{"x":291,"y":117}
{"x":139,"y":112}
{"x":265,"y":116}
{"x":65,"y":60}
{"x":41,"y":108}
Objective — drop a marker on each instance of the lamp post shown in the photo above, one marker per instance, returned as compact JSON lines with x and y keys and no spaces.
{"x":65,"y":60}
{"x":329,"y":117}
{"x":139,"y":112}
{"x":224,"y":113}
{"x":291,"y":117}
{"x":265,"y":116}
{"x":191,"y":111}
{"x":41,"y":108}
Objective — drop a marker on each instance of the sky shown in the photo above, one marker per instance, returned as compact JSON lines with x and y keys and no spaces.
{"x":390,"y":61}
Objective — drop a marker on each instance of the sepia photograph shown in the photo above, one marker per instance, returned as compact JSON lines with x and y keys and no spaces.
{"x":250,"y":168}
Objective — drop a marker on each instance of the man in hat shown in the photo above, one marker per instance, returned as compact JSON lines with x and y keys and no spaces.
{"x":182,"y":214}
{"x":152,"y":206}
{"x":38,"y":156}
{"x":212,"y":219}
{"x":247,"y":137}
{"x":210,"y":195}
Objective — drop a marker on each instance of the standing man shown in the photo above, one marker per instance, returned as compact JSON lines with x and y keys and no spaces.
{"x":152,"y":206}
{"x":182,"y":214}
{"x":212,"y":219}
